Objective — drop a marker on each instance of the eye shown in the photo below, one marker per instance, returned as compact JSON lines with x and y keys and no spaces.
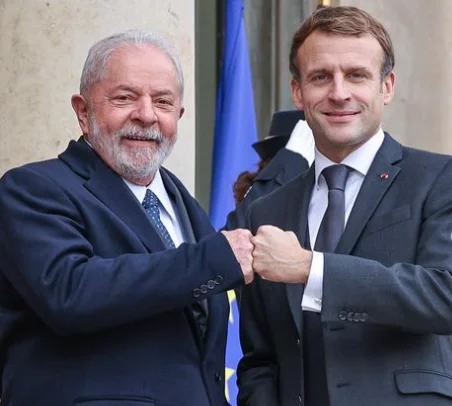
{"x":357,"y":75}
{"x":319,"y":77}
{"x":165,"y":104}
{"x":123,"y":97}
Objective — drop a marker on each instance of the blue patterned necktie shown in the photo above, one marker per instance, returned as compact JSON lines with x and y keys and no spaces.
{"x":151,"y":205}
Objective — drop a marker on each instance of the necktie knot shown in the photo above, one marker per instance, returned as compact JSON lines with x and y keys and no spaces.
{"x":336,"y":176}
{"x":150,"y":200}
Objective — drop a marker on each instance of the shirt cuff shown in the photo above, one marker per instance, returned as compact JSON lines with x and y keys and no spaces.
{"x":313,"y":291}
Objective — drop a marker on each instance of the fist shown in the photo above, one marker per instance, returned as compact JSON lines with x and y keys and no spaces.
{"x":240,"y":242}
{"x":278,"y":256}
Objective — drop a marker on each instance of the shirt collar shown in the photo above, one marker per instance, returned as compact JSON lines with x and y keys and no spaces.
{"x":359,"y":160}
{"x":158,"y":188}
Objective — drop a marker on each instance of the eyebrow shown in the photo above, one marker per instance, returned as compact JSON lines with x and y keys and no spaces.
{"x":127,"y":88}
{"x":347,"y":69}
{"x":136,"y":89}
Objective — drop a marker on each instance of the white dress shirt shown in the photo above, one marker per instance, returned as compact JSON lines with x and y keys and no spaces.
{"x":359,"y":160}
{"x":168,"y":213}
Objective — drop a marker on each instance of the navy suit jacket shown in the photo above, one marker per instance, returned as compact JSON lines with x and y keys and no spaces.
{"x":387,"y":292}
{"x":93,"y":310}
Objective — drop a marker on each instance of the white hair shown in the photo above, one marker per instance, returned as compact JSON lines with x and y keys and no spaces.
{"x":100,"y":52}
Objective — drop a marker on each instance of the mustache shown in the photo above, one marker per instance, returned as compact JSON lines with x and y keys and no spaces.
{"x":137,"y":132}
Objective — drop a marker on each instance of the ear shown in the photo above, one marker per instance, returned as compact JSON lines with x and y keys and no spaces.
{"x":181,"y":112}
{"x":80,"y":106}
{"x":388,"y":88}
{"x":297,"y":99}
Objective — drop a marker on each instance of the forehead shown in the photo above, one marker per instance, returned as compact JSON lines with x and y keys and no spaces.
{"x":324,"y":51}
{"x":140,"y":65}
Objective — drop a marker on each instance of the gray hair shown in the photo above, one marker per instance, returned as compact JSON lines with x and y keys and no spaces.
{"x":100,"y":52}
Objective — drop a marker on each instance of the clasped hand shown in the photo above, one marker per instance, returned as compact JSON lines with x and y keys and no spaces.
{"x":273,"y":254}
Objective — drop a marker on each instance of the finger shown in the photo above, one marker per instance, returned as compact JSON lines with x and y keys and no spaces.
{"x":255,"y":241}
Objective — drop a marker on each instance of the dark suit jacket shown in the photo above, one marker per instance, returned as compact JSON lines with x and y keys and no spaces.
{"x":93,"y":310}
{"x":284,"y":166}
{"x":387,"y":292}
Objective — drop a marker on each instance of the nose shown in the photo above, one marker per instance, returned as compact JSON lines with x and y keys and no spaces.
{"x":339,"y":90}
{"x":144,"y":112}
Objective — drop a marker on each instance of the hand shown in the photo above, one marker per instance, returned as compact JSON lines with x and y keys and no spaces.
{"x":279,"y":257}
{"x":240,"y":242}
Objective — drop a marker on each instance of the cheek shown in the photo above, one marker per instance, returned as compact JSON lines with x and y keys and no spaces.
{"x":168,"y":126}
{"x":113,"y":120}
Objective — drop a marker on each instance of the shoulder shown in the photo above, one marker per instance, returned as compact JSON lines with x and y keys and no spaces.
{"x":29,"y":173}
{"x":280,"y":197}
{"x":285,"y":165}
{"x":425,"y":164}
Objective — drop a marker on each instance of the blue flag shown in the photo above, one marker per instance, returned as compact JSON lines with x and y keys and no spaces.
{"x":235,"y":131}
{"x":235,"y":125}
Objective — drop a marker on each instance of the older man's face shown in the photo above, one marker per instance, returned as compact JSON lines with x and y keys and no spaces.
{"x":133,"y":112}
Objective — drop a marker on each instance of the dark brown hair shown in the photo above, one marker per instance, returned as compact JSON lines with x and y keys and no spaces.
{"x":245,"y":181}
{"x":342,"y":20}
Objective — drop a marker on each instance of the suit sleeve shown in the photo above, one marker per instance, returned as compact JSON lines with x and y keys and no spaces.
{"x":49,"y":261}
{"x":410,"y":296}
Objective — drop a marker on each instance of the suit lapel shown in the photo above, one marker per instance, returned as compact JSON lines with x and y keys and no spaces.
{"x":379,"y":178}
{"x":297,"y":221}
{"x":181,"y":210}
{"x":111,"y":191}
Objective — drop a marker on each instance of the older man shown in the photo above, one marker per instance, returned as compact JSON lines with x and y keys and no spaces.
{"x":112,"y":281}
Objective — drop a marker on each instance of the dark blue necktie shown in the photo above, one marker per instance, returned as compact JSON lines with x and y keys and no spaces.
{"x":332,"y":226}
{"x":151,"y":205}
{"x":330,"y":231}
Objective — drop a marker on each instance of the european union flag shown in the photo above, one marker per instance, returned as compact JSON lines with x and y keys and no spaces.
{"x":235,"y":125}
{"x":235,"y":131}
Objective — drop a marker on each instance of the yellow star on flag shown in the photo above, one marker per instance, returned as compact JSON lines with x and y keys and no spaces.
{"x":231,"y":297}
{"x":229,"y":372}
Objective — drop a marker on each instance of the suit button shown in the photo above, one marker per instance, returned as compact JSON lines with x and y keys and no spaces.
{"x":298,"y":343}
{"x":211,"y":284}
{"x":196,"y":293}
{"x":364,"y":317}
{"x":218,"y":377}
{"x":350,"y":316}
{"x":218,"y":279}
{"x":203,"y":289}
{"x":342,"y":316}
{"x":357,"y":317}
{"x":300,"y":400}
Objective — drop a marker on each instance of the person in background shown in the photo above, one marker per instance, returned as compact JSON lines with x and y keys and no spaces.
{"x":285,"y":153}
{"x":112,"y":280}
{"x":351,"y":302}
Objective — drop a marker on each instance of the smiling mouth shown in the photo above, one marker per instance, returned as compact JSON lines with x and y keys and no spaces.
{"x":341,"y":113}
{"x":137,"y":138}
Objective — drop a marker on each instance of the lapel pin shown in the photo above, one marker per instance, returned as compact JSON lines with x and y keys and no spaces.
{"x":384,"y":175}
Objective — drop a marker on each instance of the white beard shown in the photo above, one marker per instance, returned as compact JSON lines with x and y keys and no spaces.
{"x":133,"y":164}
